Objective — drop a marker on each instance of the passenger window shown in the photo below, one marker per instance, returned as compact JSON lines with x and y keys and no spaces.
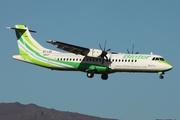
{"x":122,"y":60}
{"x":119,"y":60}
{"x":131,"y":60}
{"x":153,"y":58}
{"x":128,"y":60}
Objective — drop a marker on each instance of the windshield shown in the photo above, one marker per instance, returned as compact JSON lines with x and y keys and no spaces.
{"x":158,"y":58}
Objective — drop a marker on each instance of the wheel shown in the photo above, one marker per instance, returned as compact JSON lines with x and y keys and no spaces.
{"x":104,"y":76}
{"x":90,"y":74}
{"x":161,"y":76}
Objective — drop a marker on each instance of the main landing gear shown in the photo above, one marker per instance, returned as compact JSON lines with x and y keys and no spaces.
{"x":90,"y":74}
{"x":104,"y":76}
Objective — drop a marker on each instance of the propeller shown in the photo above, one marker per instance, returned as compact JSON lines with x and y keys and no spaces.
{"x":132,"y":50}
{"x":104,"y":52}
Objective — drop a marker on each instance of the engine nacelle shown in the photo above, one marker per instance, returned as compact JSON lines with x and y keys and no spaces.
{"x":94,"y":53}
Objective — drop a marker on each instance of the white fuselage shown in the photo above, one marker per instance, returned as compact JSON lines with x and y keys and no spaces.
{"x":117,"y":62}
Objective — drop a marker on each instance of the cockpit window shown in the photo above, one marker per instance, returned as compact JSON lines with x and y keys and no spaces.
{"x":162,"y":59}
{"x":156,"y":58}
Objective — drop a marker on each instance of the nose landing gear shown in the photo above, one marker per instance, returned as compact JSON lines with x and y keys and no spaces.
{"x":161,"y":75}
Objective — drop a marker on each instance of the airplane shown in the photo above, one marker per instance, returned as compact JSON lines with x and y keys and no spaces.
{"x":89,"y":60}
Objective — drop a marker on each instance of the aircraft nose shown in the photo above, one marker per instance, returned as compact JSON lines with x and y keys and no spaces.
{"x":169,"y":67}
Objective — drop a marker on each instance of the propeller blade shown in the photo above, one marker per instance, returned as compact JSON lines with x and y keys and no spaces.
{"x":102,"y":61}
{"x":133,"y":49}
{"x":104,"y":52}
{"x":106,"y":57}
{"x":105,"y":45}
{"x":108,"y":50}
{"x":128,"y":51}
{"x":100,"y":46}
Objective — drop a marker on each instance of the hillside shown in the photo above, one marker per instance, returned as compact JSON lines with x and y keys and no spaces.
{"x":17,"y":111}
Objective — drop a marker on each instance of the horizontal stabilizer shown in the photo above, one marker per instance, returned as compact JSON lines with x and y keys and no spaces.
{"x":20,"y":29}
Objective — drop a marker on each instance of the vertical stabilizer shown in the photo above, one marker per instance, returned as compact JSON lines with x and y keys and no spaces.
{"x":26,"y":43}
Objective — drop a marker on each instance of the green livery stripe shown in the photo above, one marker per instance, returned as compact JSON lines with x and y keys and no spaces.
{"x":165,"y":62}
{"x":24,"y":55}
{"x":28,"y":47}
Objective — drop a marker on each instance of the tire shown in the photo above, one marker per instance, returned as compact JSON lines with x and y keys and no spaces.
{"x":104,"y":76}
{"x":90,"y":74}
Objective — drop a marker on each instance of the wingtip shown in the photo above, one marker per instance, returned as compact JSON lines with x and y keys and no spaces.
{"x":50,"y":41}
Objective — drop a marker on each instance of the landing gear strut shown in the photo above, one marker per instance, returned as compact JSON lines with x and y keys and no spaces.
{"x":104,"y":76}
{"x":161,"y":75}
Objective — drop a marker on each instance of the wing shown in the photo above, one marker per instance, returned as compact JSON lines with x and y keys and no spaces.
{"x":76,"y":49}
{"x":70,"y":48}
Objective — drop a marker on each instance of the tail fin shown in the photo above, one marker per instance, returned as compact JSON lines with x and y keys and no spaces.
{"x":26,"y":43}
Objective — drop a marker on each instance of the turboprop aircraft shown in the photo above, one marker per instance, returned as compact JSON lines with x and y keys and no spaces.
{"x":91,"y":61}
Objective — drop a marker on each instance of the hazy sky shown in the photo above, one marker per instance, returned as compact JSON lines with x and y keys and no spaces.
{"x":153,"y":26}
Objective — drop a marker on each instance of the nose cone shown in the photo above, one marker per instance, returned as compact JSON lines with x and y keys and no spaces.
{"x":168,"y":66}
